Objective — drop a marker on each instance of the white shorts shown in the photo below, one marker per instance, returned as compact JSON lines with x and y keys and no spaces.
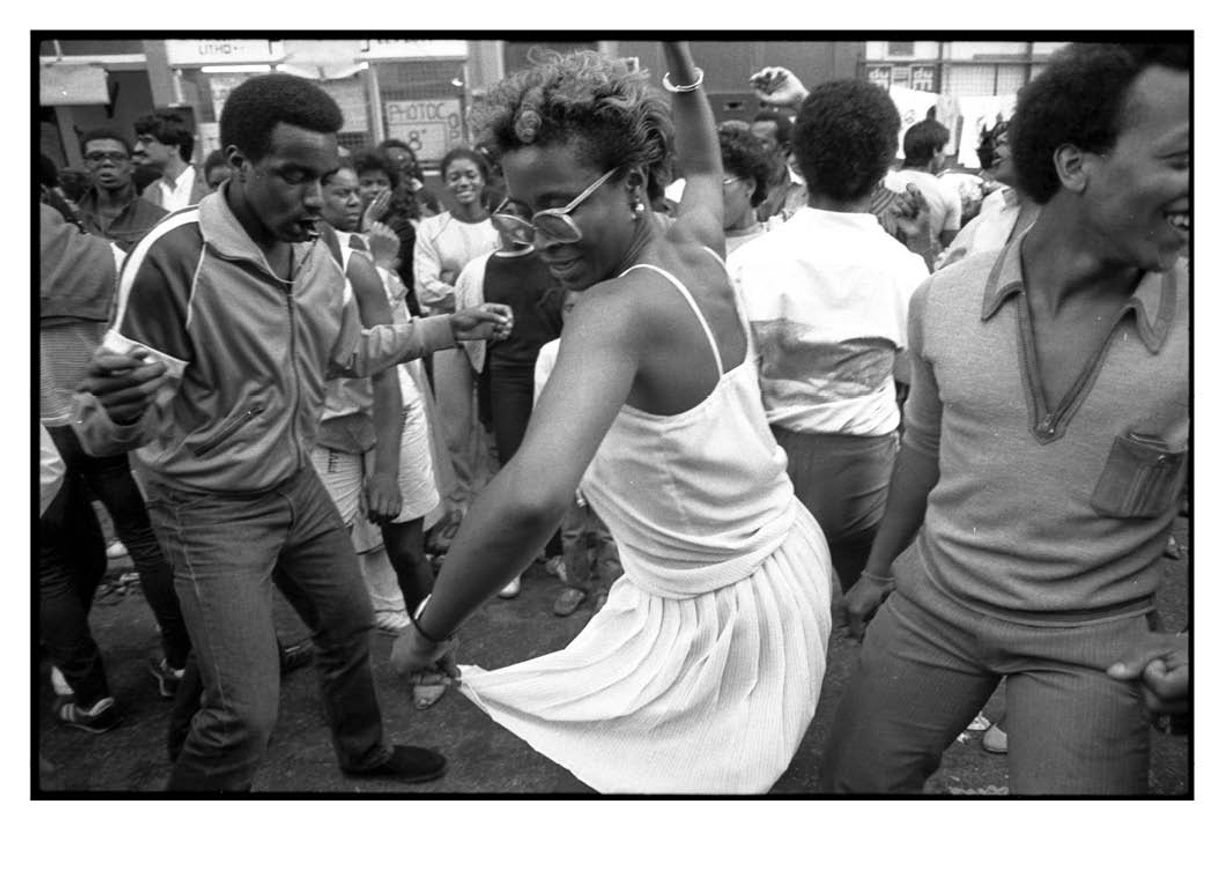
{"x":343,"y":473}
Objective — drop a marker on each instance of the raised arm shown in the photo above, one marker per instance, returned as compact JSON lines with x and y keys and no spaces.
{"x":777,"y":86}
{"x":698,"y":157}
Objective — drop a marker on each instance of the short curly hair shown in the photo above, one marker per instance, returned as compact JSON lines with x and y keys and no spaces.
{"x":105,"y":133}
{"x":255,"y":107}
{"x":845,"y":138}
{"x":610,"y":114}
{"x":343,"y":164}
{"x":745,"y":157}
{"x":376,"y":161}
{"x":1079,"y":100}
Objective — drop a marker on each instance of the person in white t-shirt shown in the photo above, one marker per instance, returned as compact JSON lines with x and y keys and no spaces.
{"x":923,"y":148}
{"x":828,"y":296}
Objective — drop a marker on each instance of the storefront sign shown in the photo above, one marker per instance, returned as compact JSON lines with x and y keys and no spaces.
{"x":431,"y":127}
{"x":881,"y":76}
{"x":922,"y":78}
{"x":399,"y":49}
{"x":199,"y":52}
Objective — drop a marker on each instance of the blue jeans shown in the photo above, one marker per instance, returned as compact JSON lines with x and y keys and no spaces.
{"x":227,"y":552}
{"x":930,"y":662}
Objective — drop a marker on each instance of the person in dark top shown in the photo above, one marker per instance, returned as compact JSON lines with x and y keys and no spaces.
{"x":112,"y":208}
{"x":379,"y":181}
{"x":516,"y":277}
{"x":513,"y":275}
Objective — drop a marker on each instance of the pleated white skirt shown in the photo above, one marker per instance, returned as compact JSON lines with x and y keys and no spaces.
{"x":707,"y":695}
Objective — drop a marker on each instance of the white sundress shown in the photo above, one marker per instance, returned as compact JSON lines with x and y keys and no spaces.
{"x":702,"y":672}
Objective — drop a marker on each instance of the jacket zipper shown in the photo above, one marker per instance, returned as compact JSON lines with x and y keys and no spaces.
{"x":228,"y":431}
{"x":296,"y":376}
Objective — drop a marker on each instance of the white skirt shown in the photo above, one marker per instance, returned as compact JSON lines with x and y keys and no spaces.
{"x":710,"y":694}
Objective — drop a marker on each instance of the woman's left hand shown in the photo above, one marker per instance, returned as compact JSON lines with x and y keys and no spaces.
{"x":412,"y":654}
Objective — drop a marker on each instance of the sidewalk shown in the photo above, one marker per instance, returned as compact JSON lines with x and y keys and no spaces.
{"x":484,"y":758}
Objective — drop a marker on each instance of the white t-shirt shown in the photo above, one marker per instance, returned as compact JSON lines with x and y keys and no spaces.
{"x":946,"y":208}
{"x":828,"y":294}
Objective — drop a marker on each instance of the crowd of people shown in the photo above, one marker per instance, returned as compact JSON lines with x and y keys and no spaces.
{"x":700,"y":371}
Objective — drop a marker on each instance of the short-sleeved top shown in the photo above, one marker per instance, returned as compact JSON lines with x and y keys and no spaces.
{"x":828,"y":294}
{"x":527,"y":287}
{"x":1037,"y":510}
{"x":946,"y":208}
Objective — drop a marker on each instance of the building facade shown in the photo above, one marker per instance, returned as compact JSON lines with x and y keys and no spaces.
{"x":421,"y":91}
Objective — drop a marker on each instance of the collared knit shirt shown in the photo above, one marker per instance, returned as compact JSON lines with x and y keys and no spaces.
{"x":1040,"y":513}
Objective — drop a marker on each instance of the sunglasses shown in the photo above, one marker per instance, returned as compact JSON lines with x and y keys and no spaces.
{"x":555,"y":224}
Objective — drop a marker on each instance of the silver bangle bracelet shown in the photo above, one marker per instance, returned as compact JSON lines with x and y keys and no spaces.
{"x":414,"y":617}
{"x":875,"y":578}
{"x":683,"y":89}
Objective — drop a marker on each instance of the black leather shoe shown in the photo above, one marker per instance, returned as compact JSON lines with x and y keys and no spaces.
{"x":295,"y":655}
{"x":408,"y":765}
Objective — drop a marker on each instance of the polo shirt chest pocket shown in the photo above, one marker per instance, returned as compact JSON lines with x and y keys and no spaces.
{"x":1141,"y":478}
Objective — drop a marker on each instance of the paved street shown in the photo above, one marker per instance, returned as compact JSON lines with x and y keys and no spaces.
{"x":484,"y":758}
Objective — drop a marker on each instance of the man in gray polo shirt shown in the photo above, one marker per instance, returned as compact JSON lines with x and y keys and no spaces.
{"x":1045,"y":449}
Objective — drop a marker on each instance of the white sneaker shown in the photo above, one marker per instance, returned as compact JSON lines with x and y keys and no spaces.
{"x":59,"y":684}
{"x":556,"y":566}
{"x":391,"y":621}
{"x":512,"y":588}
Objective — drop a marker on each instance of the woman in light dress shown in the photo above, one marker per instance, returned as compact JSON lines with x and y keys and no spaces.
{"x":702,"y":673}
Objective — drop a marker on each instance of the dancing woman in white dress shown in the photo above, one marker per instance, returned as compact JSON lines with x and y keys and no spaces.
{"x":702,"y":673}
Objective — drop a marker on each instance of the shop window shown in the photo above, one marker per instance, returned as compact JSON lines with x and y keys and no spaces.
{"x":354,"y":141}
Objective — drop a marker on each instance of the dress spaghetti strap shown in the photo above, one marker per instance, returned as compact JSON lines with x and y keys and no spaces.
{"x":692,"y":303}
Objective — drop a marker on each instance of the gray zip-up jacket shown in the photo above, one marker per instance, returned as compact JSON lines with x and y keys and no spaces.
{"x":248,"y":353}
